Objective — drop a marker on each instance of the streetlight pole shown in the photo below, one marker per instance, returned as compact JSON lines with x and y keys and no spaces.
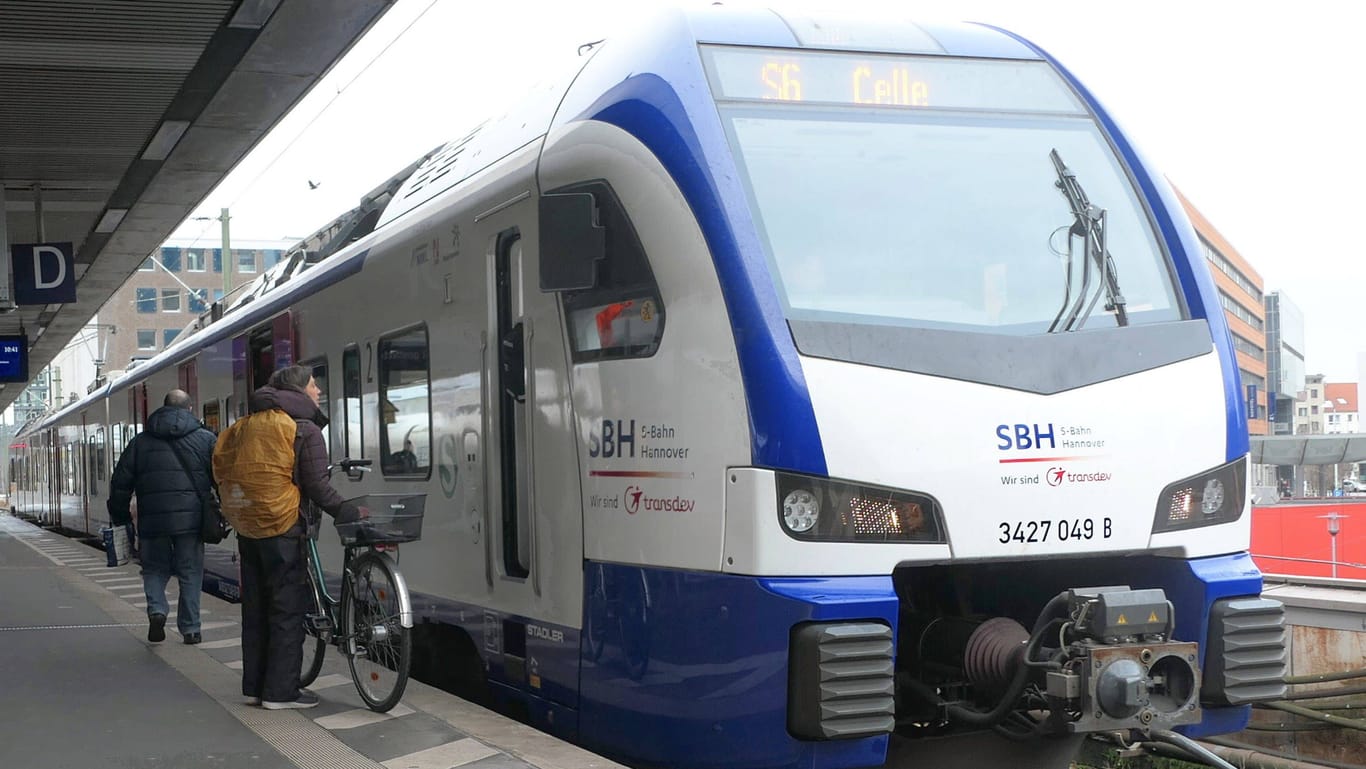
{"x":225,"y":258}
{"x":227,"y":254}
{"x":1333,"y":529}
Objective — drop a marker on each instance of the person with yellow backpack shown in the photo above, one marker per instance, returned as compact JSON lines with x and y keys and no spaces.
{"x":271,"y":467}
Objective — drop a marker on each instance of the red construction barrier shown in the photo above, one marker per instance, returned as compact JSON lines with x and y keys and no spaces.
{"x":1299,"y":530}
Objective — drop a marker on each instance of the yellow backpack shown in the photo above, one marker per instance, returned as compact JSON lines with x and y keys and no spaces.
{"x":253,"y":463}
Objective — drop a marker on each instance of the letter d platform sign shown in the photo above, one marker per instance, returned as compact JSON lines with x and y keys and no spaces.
{"x":44,"y":273}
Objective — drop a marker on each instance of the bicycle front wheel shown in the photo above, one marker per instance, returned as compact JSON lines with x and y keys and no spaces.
{"x":381,"y":649}
{"x":315,"y":644}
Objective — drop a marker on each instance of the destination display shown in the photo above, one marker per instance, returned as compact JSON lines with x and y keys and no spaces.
{"x":888,"y":80}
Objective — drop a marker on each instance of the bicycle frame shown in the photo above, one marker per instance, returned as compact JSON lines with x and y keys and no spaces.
{"x":405,"y":604}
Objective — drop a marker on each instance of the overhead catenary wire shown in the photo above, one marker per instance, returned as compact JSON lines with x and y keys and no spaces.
{"x":342,"y":89}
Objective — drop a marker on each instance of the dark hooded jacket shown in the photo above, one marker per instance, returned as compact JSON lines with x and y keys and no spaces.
{"x":168,"y":500}
{"x":310,"y":461}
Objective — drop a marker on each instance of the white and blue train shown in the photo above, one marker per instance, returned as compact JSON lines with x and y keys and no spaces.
{"x":783,"y":389}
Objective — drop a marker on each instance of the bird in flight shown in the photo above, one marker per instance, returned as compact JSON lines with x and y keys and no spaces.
{"x":312,"y":185}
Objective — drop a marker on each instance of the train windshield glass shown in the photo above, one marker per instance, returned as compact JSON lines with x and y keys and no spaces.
{"x":917,"y":191}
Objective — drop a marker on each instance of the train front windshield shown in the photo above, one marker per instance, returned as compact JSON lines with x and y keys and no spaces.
{"x":920,"y":191}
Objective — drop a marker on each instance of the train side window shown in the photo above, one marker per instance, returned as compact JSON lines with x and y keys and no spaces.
{"x":94,"y":454}
{"x":622,"y":315}
{"x":69,"y":462}
{"x":116,"y":442}
{"x":352,"y":423}
{"x":83,"y":475}
{"x":405,"y":396}
{"x":212,"y":420}
{"x":319,"y":368}
{"x":102,"y":453}
{"x":261,"y":356}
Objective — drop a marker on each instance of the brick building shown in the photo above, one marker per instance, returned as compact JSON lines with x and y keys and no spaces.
{"x":1240,"y":293}
{"x":168,"y":292}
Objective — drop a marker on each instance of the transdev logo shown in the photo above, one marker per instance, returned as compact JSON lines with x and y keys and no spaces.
{"x":1056,"y":476}
{"x":636,"y":500}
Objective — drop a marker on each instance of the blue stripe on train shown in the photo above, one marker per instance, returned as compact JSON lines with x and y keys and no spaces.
{"x":682,"y":131}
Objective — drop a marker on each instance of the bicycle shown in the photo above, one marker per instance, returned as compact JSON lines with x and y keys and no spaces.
{"x":371,"y":624}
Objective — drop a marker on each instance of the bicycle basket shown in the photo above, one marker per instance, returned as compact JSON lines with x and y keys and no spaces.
{"x":392,"y":518}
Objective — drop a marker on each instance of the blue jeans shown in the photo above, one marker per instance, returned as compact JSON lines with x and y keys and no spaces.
{"x":183,"y":555}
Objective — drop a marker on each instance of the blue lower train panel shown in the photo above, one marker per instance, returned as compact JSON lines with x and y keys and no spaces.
{"x":222,"y":575}
{"x":691,"y":669}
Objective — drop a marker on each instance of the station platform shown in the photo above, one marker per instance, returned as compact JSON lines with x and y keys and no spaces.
{"x":84,"y":687}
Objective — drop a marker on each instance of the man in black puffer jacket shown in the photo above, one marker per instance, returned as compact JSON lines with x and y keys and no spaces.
{"x":169,"y":509}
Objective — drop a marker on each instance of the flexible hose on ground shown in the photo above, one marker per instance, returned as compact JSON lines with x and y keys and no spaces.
{"x":1318,"y":694}
{"x":1318,"y":678}
{"x":1353,"y":705}
{"x":1327,"y":718}
{"x":1191,"y":746}
{"x":1247,"y":757}
{"x":1287,"y":726}
{"x":1287,"y":760}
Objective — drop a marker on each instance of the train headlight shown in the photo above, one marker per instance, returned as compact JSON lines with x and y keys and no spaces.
{"x":801,"y":507}
{"x":1212,"y":497}
{"x":1212,"y":501}
{"x":836,"y":511}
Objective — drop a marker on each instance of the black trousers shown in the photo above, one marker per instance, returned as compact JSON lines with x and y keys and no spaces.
{"x":274,"y":600}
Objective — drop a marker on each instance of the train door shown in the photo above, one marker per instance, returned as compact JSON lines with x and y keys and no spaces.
{"x":99,"y":472}
{"x":534,"y":496}
{"x":211,"y":416}
{"x":80,"y":483}
{"x":137,"y":409}
{"x":87,"y":439}
{"x":55,"y":475}
{"x":188,"y":378}
{"x":255,"y":356}
{"x":237,"y":402}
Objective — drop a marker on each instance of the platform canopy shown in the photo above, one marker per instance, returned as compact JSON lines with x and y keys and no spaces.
{"x":1308,"y":449}
{"x":117,"y":118}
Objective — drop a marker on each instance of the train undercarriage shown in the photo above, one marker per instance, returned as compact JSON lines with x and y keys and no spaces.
{"x":982,"y":663}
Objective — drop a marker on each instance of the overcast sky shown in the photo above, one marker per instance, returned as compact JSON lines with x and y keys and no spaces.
{"x":1253,"y":114}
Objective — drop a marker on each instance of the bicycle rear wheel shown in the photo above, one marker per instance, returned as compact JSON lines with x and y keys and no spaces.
{"x":381,"y":648}
{"x":315,"y":645}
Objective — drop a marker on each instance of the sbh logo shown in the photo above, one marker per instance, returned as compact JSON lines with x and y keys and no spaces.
{"x":613,"y":438}
{"x":1020,"y":437}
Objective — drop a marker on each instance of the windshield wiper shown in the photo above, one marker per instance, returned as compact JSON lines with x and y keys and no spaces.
{"x":1089,"y":224}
